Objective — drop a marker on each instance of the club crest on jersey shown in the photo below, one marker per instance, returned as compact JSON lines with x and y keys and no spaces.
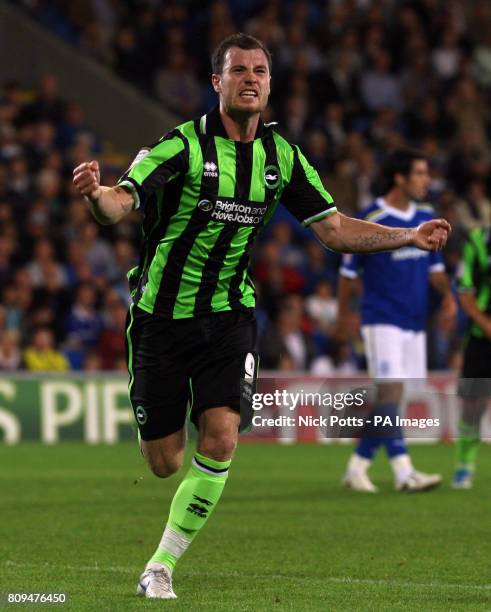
{"x":272,"y":177}
{"x":210,"y":169}
{"x":205,"y":205}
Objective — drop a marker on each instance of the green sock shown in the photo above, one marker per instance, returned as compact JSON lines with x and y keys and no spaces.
{"x":467,"y":445}
{"x":194,"y":501}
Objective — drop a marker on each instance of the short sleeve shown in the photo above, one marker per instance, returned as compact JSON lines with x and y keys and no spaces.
{"x":351,"y":265}
{"x":305,"y":196}
{"x":154,"y":166}
{"x":436,"y":262}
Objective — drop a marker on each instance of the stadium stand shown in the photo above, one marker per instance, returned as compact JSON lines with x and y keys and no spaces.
{"x":352,"y":81}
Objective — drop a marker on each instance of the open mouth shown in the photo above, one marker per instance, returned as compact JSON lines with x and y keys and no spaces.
{"x":248,"y":93}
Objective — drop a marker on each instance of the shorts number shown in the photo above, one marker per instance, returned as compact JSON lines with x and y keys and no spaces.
{"x":249,"y":366}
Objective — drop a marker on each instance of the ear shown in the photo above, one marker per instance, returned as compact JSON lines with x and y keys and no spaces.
{"x":216,"y":81}
{"x":399,"y":179}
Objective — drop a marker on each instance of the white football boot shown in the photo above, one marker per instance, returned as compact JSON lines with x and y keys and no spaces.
{"x":359,"y":481}
{"x":356,"y":477}
{"x":418,"y":482}
{"x":156,"y":582}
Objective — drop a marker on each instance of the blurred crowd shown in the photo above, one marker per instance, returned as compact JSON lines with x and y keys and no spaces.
{"x":352,"y":80}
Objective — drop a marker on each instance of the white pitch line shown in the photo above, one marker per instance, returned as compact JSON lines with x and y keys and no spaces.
{"x":332,"y":579}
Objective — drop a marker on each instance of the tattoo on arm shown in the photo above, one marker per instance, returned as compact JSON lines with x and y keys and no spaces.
{"x":381,"y":239}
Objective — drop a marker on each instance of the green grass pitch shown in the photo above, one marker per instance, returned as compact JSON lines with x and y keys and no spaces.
{"x":285,"y":535}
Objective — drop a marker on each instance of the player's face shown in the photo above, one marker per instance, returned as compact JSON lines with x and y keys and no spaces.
{"x":418,"y":180}
{"x":243,"y":86}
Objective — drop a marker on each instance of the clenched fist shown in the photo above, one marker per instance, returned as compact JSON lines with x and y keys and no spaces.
{"x":87,"y":179}
{"x":432,"y":235}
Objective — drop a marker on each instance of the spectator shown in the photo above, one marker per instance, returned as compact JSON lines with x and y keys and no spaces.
{"x":341,"y":360}
{"x":177,"y":87}
{"x":276,"y":279}
{"x":474,"y":210}
{"x":48,"y":104}
{"x":287,"y":337}
{"x":73,"y":129}
{"x":379,"y":88}
{"x":469,"y":110}
{"x":42,"y":355}
{"x":44,"y":265}
{"x":322,"y":306}
{"x":447,"y":57}
{"x":364,"y":80}
{"x":331,"y":122}
{"x":83,"y":324}
{"x":10,"y":353}
{"x":111,"y":343}
{"x":97,"y":251}
{"x":482,"y":58}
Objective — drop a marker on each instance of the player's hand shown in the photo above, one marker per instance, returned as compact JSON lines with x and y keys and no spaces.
{"x":432,"y":235}
{"x":87,"y":179}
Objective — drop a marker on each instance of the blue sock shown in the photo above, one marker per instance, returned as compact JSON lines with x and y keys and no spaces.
{"x":393,"y":439}
{"x":395,"y":446}
{"x":367,"y":446}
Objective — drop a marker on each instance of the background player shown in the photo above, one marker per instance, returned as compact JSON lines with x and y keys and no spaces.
{"x":475,"y":382}
{"x":206,"y":188}
{"x":394,"y":315}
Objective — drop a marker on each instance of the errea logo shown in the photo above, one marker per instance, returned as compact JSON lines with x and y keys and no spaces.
{"x":210,"y":169}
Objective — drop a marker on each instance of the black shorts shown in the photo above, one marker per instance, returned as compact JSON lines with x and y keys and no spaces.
{"x":475,"y":378}
{"x":203,"y":362}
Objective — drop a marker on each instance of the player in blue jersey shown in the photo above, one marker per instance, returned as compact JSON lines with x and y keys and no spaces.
{"x":394,"y":313}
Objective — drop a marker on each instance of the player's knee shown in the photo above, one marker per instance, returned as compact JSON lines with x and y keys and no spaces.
{"x":220,"y":446}
{"x":163,"y":467}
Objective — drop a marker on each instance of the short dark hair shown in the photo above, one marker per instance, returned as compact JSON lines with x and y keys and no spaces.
{"x":240,"y":40}
{"x":399,"y":162}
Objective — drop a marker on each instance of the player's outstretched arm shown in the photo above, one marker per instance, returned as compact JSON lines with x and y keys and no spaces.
{"x":348,"y":235}
{"x":107,"y":204}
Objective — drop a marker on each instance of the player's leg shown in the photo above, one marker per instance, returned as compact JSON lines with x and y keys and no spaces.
{"x":164,"y":456}
{"x":383,"y":349}
{"x":407,"y":478}
{"x":468,"y":441}
{"x":202,"y":485}
{"x":220,"y":368}
{"x":474,"y":390}
{"x":159,"y":392}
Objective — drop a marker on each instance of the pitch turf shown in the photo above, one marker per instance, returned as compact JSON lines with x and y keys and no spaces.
{"x":285,"y":536}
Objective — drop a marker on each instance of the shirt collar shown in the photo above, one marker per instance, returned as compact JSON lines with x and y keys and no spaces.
{"x":211,"y":124}
{"x":404,"y":215}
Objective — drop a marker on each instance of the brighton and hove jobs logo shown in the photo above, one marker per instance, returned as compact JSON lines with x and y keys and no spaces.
{"x":229,"y":211}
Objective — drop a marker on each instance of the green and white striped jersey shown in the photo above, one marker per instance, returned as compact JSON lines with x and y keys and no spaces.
{"x":205,"y":197}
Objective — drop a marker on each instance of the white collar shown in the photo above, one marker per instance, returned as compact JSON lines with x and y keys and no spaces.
{"x":404,"y":215}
